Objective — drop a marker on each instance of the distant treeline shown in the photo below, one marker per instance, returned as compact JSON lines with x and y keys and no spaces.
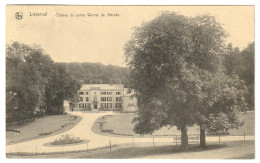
{"x":97,"y":73}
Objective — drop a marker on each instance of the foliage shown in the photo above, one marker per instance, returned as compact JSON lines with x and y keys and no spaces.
{"x":63,"y":86}
{"x":97,"y":73}
{"x":66,"y":139}
{"x":224,"y":95}
{"x":34,"y":82}
{"x":24,"y":84}
{"x":219,"y":125}
{"x":175,"y":66}
{"x":242,"y":64}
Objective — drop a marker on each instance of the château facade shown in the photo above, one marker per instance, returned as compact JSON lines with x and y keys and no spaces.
{"x":105,"y":97}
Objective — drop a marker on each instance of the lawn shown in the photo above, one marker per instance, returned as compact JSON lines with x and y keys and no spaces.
{"x":41,"y":127}
{"x":224,"y":150}
{"x":122,"y":125}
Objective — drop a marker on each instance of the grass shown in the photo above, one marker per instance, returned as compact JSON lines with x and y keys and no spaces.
{"x":122,"y":125}
{"x":225,"y":150}
{"x":42,"y":127}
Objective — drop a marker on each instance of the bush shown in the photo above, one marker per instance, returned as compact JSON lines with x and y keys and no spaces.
{"x":108,"y":130}
{"x":45,"y":133}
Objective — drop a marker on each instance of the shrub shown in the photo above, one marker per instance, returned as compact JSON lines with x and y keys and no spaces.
{"x":108,"y":130}
{"x":45,"y":133}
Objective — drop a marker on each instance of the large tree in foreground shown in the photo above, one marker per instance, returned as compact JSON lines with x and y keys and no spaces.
{"x":171,"y":60}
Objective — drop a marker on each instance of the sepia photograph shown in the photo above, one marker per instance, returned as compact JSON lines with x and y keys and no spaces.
{"x":130,"y":82}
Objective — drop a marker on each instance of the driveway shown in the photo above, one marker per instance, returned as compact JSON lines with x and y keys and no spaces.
{"x":83,"y":131}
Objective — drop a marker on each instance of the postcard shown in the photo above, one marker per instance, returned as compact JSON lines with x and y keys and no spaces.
{"x":124,"y":82}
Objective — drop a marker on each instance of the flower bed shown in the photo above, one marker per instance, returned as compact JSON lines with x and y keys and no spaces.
{"x":66,"y":139}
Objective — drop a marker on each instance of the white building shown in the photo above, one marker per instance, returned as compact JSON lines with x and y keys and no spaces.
{"x":103,"y":97}
{"x":100,"y":97}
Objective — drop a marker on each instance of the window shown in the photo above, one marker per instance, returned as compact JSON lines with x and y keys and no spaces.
{"x":86,"y":93}
{"x":87,"y":99}
{"x":109,"y":98}
{"x":87,"y":105}
{"x":109,"y":93}
{"x":118,"y":105}
{"x":118,"y":98}
{"x":81,"y":93}
{"x":109,"y":105}
{"x":103,"y":98}
{"x":81,"y":105}
{"x":80,"y":99}
{"x":103,"y":105}
{"x":118,"y":93}
{"x":95,"y":98}
{"x":103,"y":93}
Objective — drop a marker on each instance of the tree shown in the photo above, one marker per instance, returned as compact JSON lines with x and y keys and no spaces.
{"x":230,"y":59}
{"x":220,"y":108}
{"x":171,"y":59}
{"x":246,"y":72}
{"x":24,"y":84}
{"x":97,"y":73}
{"x":242,"y":64}
{"x":39,"y":82}
{"x":65,"y":87}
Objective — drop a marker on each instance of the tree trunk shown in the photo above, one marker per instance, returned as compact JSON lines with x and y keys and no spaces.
{"x":202,"y":137}
{"x":184,"y":138}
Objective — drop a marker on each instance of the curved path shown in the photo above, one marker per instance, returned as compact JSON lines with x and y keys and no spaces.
{"x":83,"y":131}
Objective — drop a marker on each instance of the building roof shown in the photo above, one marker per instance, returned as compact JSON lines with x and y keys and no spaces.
{"x":102,"y":87}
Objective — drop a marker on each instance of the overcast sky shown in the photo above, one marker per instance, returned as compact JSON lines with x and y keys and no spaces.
{"x":101,"y":39}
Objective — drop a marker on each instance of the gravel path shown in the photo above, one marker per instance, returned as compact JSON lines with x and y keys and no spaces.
{"x":83,"y":131}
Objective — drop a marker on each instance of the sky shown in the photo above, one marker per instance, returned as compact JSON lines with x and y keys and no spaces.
{"x":101,"y":39}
